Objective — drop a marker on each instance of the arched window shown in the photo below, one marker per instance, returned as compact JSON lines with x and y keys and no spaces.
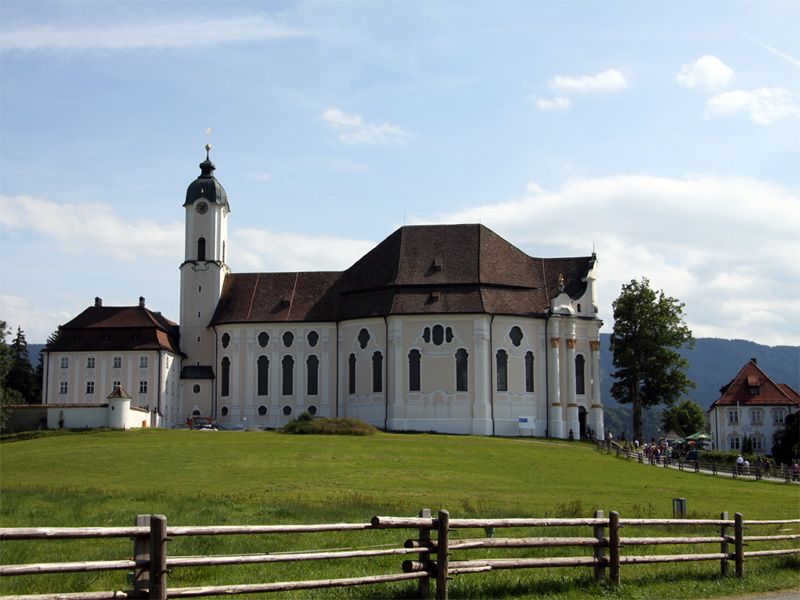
{"x":377,"y":372}
{"x":413,"y":371}
{"x":351,"y":374}
{"x":462,"y":370}
{"x":263,"y":375}
{"x":580,"y":377}
{"x":438,"y":335}
{"x":225,"y":377}
{"x":502,"y":371}
{"x":312,"y":375}
{"x":201,"y":248}
{"x":529,"y":371}
{"x":288,"y":376}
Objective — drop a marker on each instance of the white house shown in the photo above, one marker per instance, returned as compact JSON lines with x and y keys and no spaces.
{"x":751,"y":405}
{"x":447,"y":328}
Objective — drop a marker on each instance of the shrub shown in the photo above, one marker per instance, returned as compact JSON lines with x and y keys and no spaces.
{"x":305,"y":423}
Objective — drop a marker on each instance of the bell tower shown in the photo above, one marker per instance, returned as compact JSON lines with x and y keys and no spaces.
{"x":203,"y":272}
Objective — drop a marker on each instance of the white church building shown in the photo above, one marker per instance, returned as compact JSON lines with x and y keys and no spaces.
{"x":446,"y":328}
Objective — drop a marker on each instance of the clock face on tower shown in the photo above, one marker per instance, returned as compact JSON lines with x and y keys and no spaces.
{"x":201,"y":207}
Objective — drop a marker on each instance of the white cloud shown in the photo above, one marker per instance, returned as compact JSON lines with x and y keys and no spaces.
{"x":706,"y":72}
{"x":353,"y":130}
{"x":136,"y":35}
{"x":607,"y":81}
{"x":260,"y":250}
{"x":763,"y":105}
{"x":713,"y":242}
{"x":557,"y":103}
{"x":90,"y":228}
{"x":37,"y":323}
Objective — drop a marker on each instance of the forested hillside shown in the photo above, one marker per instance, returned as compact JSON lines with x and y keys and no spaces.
{"x":712,"y":363}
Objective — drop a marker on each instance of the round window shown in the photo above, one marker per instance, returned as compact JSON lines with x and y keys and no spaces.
{"x":287,"y":410}
{"x":263,"y":339}
{"x":313,"y":338}
{"x":288,"y":339}
{"x":262,"y":410}
{"x":196,"y":388}
{"x":312,"y":410}
{"x":226,"y":339}
{"x":224,"y":411}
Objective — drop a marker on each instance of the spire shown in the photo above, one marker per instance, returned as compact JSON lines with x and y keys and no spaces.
{"x":207,"y":167}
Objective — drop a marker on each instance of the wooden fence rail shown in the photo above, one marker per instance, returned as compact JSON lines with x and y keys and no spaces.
{"x":431,"y":558}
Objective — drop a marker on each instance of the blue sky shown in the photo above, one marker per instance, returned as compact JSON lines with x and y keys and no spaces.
{"x":664,"y":135}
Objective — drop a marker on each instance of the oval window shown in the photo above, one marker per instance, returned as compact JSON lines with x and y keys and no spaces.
{"x":313,"y":338}
{"x":438,"y":335}
{"x":288,"y":339}
{"x":263,"y":339}
{"x":287,"y":410}
{"x":262,"y":410}
{"x":224,"y":411}
{"x":363,"y":338}
{"x":196,"y":388}
{"x":516,"y":335}
{"x":226,"y":339}
{"x":312,"y":410}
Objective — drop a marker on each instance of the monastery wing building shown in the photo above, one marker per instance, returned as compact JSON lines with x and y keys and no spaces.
{"x":445,"y":328}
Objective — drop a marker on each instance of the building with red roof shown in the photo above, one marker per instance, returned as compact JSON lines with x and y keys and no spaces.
{"x":448,"y":328}
{"x":751,"y":405}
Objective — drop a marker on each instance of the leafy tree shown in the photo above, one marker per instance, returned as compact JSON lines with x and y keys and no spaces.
{"x":648,"y":331}
{"x":20,"y":375}
{"x":684,"y":419}
{"x":786,"y":446}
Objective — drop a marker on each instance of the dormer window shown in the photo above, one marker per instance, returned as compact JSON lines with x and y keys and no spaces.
{"x":436,"y":264}
{"x":753,"y":385}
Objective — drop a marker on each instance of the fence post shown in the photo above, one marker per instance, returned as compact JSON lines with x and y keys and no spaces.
{"x":141,"y":553}
{"x":442,"y":559}
{"x":424,"y":584}
{"x":723,"y":547}
{"x":613,"y":546}
{"x":158,"y":557}
{"x":738,"y":533}
{"x":599,"y":550}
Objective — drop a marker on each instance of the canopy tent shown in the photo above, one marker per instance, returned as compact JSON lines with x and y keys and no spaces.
{"x":698,"y":436}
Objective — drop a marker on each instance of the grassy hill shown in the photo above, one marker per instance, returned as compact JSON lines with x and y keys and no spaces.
{"x":196,"y":477}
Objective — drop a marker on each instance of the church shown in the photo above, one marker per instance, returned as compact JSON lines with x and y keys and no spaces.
{"x":446,"y":328}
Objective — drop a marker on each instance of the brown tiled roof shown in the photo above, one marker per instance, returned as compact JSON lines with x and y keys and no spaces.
{"x":751,"y":377}
{"x":101,"y":328}
{"x":416,"y":270}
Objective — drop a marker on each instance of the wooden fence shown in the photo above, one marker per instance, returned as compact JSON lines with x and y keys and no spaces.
{"x":600,"y":549}
{"x":779,"y":472}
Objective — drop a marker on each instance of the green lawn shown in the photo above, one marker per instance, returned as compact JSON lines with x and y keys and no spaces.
{"x":197,"y":477}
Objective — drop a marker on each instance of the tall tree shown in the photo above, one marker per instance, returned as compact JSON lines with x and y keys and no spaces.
{"x":684,"y":418}
{"x":20,"y":375}
{"x":648,"y":331}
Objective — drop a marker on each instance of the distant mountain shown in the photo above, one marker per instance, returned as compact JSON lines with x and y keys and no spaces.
{"x":33,"y":353}
{"x":712,"y":363}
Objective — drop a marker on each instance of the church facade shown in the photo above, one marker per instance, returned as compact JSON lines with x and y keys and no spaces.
{"x":446,"y":328}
